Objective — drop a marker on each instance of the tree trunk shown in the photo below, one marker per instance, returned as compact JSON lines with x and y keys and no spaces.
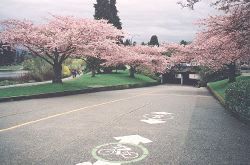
{"x":57,"y":72}
{"x":132,"y":72}
{"x":93,"y":72}
{"x":107,"y":70}
{"x":232,"y":72}
{"x":99,"y":70}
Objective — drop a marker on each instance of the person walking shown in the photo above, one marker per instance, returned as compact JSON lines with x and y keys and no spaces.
{"x":74,"y":72}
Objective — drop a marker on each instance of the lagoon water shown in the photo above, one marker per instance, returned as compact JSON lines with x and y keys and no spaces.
{"x":6,"y":75}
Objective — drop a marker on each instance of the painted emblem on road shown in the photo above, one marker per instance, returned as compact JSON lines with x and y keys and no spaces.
{"x":120,"y":153}
{"x":157,"y":117}
{"x":98,"y":163}
{"x":127,"y":150}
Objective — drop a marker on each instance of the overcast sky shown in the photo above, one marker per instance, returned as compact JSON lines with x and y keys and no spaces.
{"x":142,"y":18}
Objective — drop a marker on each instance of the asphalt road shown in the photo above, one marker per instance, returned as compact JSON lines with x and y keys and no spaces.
{"x":147,"y":126}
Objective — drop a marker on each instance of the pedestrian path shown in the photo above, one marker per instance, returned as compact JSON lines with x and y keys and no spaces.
{"x":35,"y":83}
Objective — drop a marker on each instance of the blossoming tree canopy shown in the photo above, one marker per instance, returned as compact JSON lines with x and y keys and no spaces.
{"x":224,"y":40}
{"x":144,"y":56}
{"x":155,"y":61}
{"x":220,"y":4}
{"x":60,"y":38}
{"x":103,"y":54}
{"x":179,"y":54}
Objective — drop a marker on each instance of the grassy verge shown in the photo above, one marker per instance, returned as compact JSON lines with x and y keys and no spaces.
{"x":219,"y":87}
{"x":85,"y":81}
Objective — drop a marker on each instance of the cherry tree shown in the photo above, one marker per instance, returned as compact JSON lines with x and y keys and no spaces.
{"x":62,"y":37}
{"x":220,"y":4}
{"x":224,"y":40}
{"x":102,"y":54}
{"x":140,"y":56}
{"x":179,"y":53}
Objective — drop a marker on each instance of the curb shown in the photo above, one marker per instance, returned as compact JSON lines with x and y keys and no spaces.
{"x":81,"y":91}
{"x":217,"y":96}
{"x":223,"y":103}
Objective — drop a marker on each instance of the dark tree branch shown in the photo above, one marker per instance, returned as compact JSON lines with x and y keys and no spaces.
{"x":37,"y":54}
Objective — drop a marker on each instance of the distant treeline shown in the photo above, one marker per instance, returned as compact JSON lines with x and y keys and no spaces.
{"x":10,"y":56}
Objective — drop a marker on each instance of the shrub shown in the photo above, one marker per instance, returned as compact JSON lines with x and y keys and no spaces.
{"x":110,"y":69}
{"x":66,"y":71}
{"x":149,"y":73}
{"x":39,"y":70}
{"x":237,"y":98}
{"x":25,"y":78}
{"x":77,"y":64}
{"x":208,"y":75}
{"x":28,"y":64}
{"x":7,"y":82}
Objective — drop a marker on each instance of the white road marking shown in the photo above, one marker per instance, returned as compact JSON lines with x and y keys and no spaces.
{"x":153,"y":121}
{"x":157,"y":117}
{"x":161,"y":113}
{"x":69,"y":112}
{"x":98,"y":163}
{"x":133,"y":139}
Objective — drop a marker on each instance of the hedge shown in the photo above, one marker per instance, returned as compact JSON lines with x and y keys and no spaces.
{"x":237,"y":98}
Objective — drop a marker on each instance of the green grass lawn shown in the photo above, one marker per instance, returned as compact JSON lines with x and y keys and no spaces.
{"x":220,"y":86}
{"x":83,"y":82}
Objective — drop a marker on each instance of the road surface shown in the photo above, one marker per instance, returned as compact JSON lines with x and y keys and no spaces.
{"x":147,"y":126}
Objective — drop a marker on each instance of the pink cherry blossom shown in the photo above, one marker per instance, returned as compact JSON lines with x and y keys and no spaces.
{"x":62,"y":37}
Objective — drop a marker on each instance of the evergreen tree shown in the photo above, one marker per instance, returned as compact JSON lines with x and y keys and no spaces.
{"x":183,"y":42}
{"x":106,"y":9}
{"x":114,"y":18}
{"x":128,"y":42}
{"x":102,"y":9}
{"x":7,"y":55}
{"x":154,"y":41}
{"x":1,"y":53}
